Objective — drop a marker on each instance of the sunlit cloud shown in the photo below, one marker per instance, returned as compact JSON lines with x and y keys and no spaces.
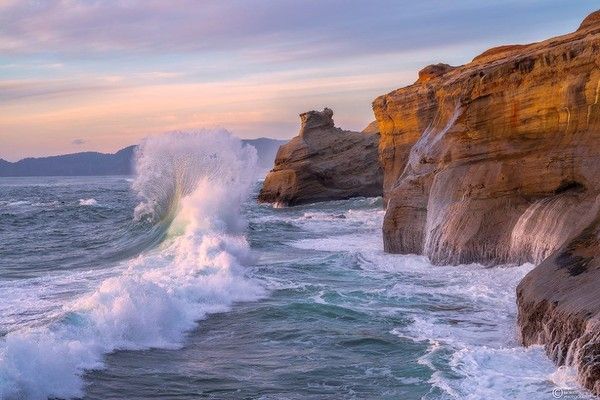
{"x":24,"y":89}
{"x":111,"y":72}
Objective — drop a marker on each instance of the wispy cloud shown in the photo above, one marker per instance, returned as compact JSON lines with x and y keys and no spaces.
{"x":23,"y":89}
{"x":110,"y":72}
{"x":15,"y":90}
{"x":31,"y":66}
{"x":262,"y":105}
{"x":284,"y":28}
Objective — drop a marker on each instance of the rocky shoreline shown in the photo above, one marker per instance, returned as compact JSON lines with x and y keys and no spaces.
{"x":496,"y":161}
{"x":559,"y":303}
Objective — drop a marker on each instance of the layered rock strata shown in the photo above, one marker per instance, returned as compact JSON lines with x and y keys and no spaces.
{"x":502,"y":150}
{"x":504,"y":167}
{"x":559,"y":303}
{"x":324,"y":163}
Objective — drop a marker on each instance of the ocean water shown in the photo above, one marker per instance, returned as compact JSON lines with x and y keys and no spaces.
{"x":175,"y":284}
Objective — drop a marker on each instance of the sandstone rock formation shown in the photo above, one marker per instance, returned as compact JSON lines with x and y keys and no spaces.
{"x":504,"y":166}
{"x":324,"y":163}
{"x":559,"y":303}
{"x":496,"y":146}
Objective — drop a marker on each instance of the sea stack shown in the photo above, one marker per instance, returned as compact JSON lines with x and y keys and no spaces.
{"x":324,"y":163}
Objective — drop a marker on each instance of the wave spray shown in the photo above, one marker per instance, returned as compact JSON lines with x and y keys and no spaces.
{"x":193,"y":184}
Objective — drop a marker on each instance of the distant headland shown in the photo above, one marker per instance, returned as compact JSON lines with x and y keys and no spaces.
{"x":91,"y":163}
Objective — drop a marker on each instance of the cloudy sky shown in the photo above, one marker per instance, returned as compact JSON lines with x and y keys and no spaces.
{"x":99,"y":75}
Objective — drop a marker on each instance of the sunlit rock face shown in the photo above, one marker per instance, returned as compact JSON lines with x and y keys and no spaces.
{"x":504,"y":167}
{"x":324,"y":163}
{"x":503,"y":152}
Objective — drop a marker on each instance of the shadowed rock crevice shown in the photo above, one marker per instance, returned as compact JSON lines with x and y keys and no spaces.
{"x":569,"y":186}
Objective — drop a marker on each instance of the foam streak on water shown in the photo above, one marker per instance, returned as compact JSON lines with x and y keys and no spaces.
{"x":140,"y":267}
{"x":194,"y":183}
{"x":465,"y":315}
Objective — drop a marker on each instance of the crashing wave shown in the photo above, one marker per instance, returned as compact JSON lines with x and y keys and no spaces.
{"x":197,"y":182}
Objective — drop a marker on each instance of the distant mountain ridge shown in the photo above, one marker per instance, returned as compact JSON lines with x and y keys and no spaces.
{"x":92,"y":163}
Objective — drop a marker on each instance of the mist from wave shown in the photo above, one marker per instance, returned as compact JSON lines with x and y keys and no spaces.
{"x":191,"y":185}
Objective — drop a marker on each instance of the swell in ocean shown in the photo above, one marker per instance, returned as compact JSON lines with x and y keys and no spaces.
{"x":132,"y":264}
{"x":191,"y":187}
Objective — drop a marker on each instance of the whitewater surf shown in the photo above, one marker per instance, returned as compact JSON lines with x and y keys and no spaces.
{"x":176,"y":284}
{"x":192,"y":186}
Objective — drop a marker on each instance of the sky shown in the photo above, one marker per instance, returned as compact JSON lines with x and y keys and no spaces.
{"x":78,"y":75}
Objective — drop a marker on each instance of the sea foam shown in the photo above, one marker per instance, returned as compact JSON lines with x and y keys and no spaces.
{"x":194,"y":183}
{"x":465,"y":315}
{"x":88,"y":202}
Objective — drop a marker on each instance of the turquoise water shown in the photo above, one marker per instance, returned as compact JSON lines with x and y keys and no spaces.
{"x":294,"y":303}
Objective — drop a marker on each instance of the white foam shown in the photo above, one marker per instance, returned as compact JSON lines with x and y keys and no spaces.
{"x":350,"y":242}
{"x":465,"y":316}
{"x":355,"y":230}
{"x":26,"y":204}
{"x":17,"y":203}
{"x":88,"y":202}
{"x":470,"y":325}
{"x":158,"y":296}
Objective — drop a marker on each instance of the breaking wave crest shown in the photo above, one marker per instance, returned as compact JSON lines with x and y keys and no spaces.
{"x":194,"y":184}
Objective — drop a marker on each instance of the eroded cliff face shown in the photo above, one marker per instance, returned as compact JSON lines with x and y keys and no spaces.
{"x":559,"y":302}
{"x":504,"y":167}
{"x":504,"y":152}
{"x":324,"y":163}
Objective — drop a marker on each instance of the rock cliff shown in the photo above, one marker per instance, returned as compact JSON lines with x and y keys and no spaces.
{"x":504,"y":167}
{"x":324,"y":163}
{"x":559,"y":303}
{"x":503,"y":150}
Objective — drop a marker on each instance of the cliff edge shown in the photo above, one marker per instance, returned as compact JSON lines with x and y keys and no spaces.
{"x":503,"y":166}
{"x":503,"y":150}
{"x":324,"y":163}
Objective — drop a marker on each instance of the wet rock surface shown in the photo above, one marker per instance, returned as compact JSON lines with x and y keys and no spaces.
{"x":559,"y":305}
{"x":504,"y":167}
